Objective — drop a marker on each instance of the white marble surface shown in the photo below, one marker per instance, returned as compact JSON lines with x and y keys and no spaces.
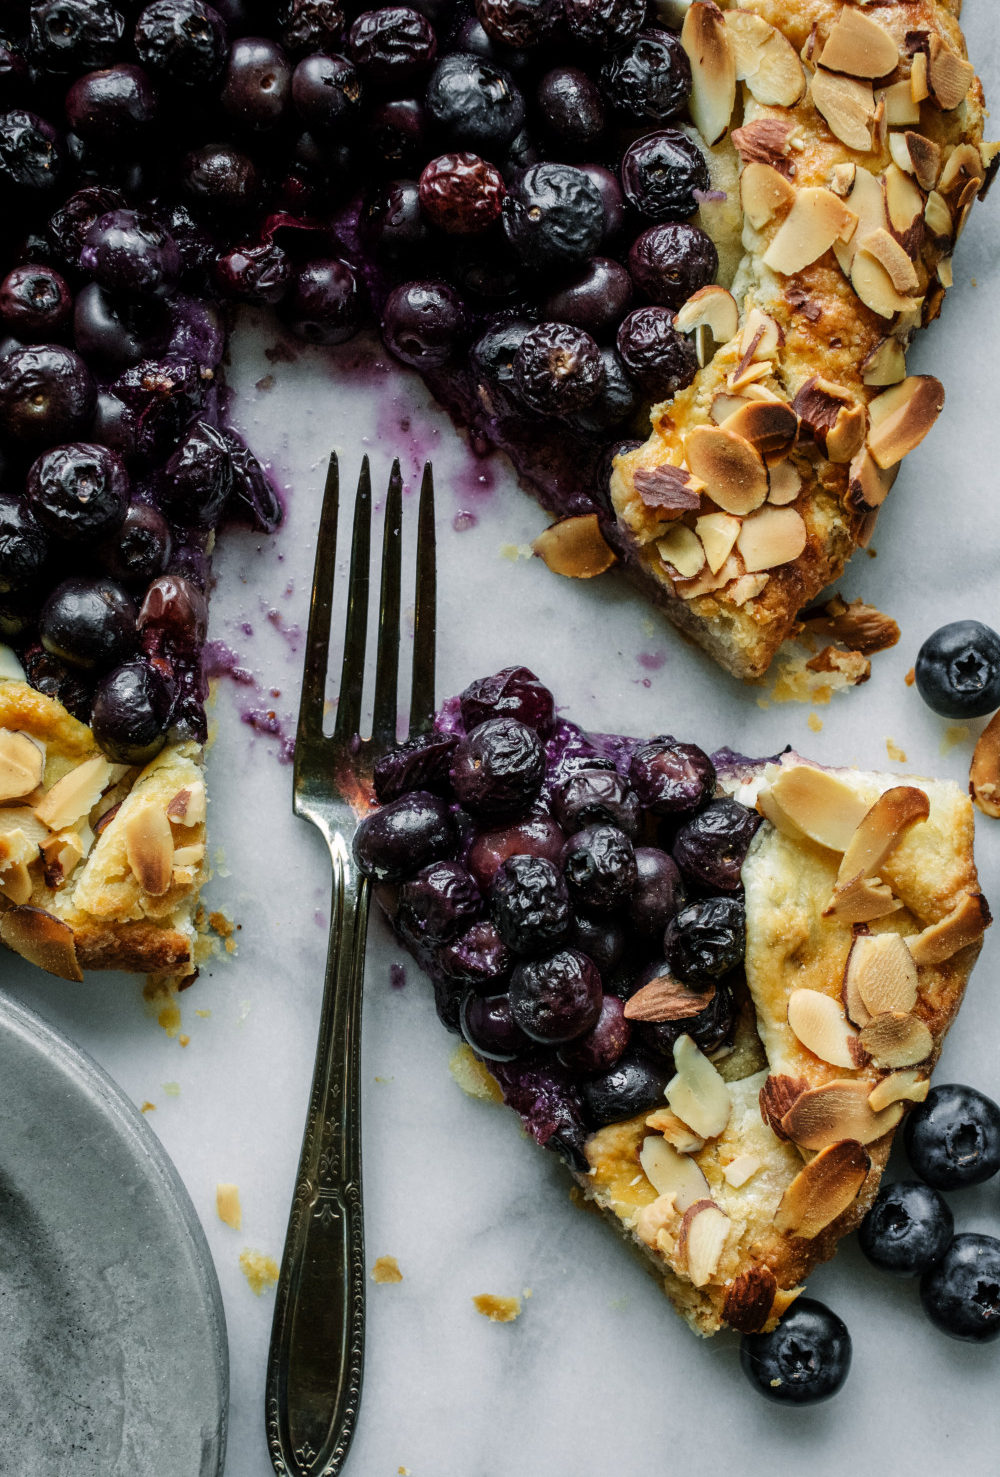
{"x":597,"y":1375}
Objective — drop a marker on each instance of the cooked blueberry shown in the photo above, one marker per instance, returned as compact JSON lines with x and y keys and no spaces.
{"x":953,"y":1137}
{"x":31,"y":156}
{"x":601,"y":937}
{"x":488,"y":1025}
{"x":108,"y":107}
{"x":69,"y":224}
{"x":595,"y":298}
{"x":254,"y":272}
{"x":47,"y":393}
{"x":617,"y":401}
{"x":395,"y":841}
{"x":548,"y":1105}
{"x":556,"y":998}
{"x":324,"y":304}
{"x":197,"y":479}
{"x":958,"y":670}
{"x":437,"y":903}
{"x":175,"y":612}
{"x":907,"y":1230}
{"x":117,"y":332}
{"x":596,"y":796}
{"x":258,"y":83}
{"x":498,"y":768}
{"x":651,"y":79}
{"x":492,"y":356}
{"x":219,"y":180}
{"x":571,"y":110}
{"x":554,"y":215}
{"x":252,"y":497}
{"x":397,"y":134}
{"x":711,"y":847}
{"x":423,"y":323}
{"x":132,"y":707}
{"x":599,"y":866}
{"x":184,"y":41}
{"x":706,"y":940}
{"x":74,"y":35}
{"x":601,"y":1047}
{"x":710,"y":1023}
{"x":513,"y":692}
{"x":671,"y":778}
{"x":806,"y":1359}
{"x":612,"y":198}
{"x":477,"y":958}
{"x":128,"y":251}
{"x":633,"y":1085}
{"x":529,"y":903}
{"x":311,"y":25}
{"x":603,"y":24}
{"x":78,"y":491}
{"x":519,"y":24}
{"x":140,"y":549}
{"x":35,"y":303}
{"x":961,"y":1292}
{"x":474,"y":103}
{"x":89,"y":623}
{"x":448,"y":997}
{"x":326,"y":93}
{"x":56,"y":679}
{"x":392,"y":223}
{"x":420,"y":763}
{"x":658,"y":893}
{"x":24,"y":546}
{"x":660,"y":173}
{"x":558,"y":369}
{"x":671,"y":261}
{"x":538,"y":836}
{"x":391,"y":45}
{"x":461,"y":193}
{"x":661,"y":360}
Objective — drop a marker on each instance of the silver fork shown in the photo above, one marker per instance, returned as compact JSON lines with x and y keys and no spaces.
{"x":316,"y":1356}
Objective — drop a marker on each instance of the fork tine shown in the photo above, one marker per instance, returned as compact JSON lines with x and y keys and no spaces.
{"x":387,"y":658}
{"x":352,"y":673}
{"x":310,"y":724}
{"x":425,"y":617}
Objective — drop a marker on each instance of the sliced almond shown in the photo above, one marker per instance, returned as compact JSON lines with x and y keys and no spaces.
{"x":900,"y":108}
{"x":187,"y":808}
{"x":707,"y":583}
{"x":764,"y":194}
{"x":769,"y":425}
{"x":746,"y":588}
{"x":189,"y":856}
{"x":718,"y":533}
{"x":902,"y":416}
{"x":862,"y":901}
{"x":658,"y":1223}
{"x":818,"y":1022}
{"x":42,"y":939}
{"x":837,"y":1110}
{"x":848,"y":105}
{"x":835,"y":420}
{"x":713,"y":73}
{"x":702,"y":1240}
{"x":964,"y":925}
{"x":777,"y":1096}
{"x":816,"y":220}
{"x":667,"y":489}
{"x":681,"y":550}
{"x":804,"y":801}
{"x":823,"y":1189}
{"x":22,"y":818}
{"x":149,"y":846}
{"x":575,"y":547}
{"x":676,"y":1133}
{"x":22,"y":764}
{"x":896,"y":1039}
{"x":75,"y":794}
{"x":868,"y":484}
{"x":713,"y":307}
{"x":963,"y":165}
{"x":859,"y":46}
{"x":945,"y":275}
{"x":874,"y":286}
{"x":884,"y":247}
{"x":885,"y":365}
{"x":919,"y":81}
{"x":750,"y":1299}
{"x":741,"y":1170}
{"x":786,"y":484}
{"x":904,"y":204}
{"x":760,"y":337}
{"x":909,"y":1086}
{"x":765,"y":141}
{"x":914,"y":154}
{"x":984,"y":771}
{"x":62,"y":853}
{"x":771,"y":537}
{"x":732,"y":470}
{"x":765,"y":60}
{"x":667,"y":999}
{"x":697,"y":1094}
{"x":858,"y":625}
{"x":949,"y":75}
{"x":17,"y":852}
{"x":671,"y":1173}
{"x":867,"y":200}
{"x":894,"y":813}
{"x":881,"y":975}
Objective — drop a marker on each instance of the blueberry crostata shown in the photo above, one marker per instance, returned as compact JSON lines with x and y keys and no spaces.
{"x":713,"y":985}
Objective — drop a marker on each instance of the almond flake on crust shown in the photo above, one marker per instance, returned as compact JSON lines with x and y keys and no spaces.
{"x":771,"y":537}
{"x":902,"y":416}
{"x":680,"y":549}
{"x":671,"y":1173}
{"x":848,"y":105}
{"x":718,"y":533}
{"x":818,"y":1022}
{"x":823,"y":1189}
{"x":701,"y":1240}
{"x":816,"y":220}
{"x":837,"y":1110}
{"x":765,"y":60}
{"x":984,"y":771}
{"x":804,"y":801}
{"x":880,"y":976}
{"x":75,"y":795}
{"x":906,"y":1086}
{"x":859,"y":46}
{"x":730,"y":467}
{"x":964,"y":925}
{"x":149,"y":845}
{"x":697,"y":1093}
{"x":713,"y":74}
{"x":881,"y":830}
{"x":896,"y":1038}
{"x":22,"y":764}
{"x":668,"y":489}
{"x":764,"y":194}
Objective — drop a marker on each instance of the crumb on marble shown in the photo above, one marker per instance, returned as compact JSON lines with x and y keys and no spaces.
{"x":260,"y":1271}
{"x":910,"y":677}
{"x":265,"y":383}
{"x":223,"y":926}
{"x":472,"y":1077}
{"x":383,"y":1080}
{"x":514,"y":552}
{"x":895,"y":753}
{"x":386,"y":1269}
{"x":172,"y":1089}
{"x":148,"y":1107}
{"x":496,"y":1308}
{"x":227,"y":1205}
{"x":954,"y":734}
{"x":203,"y":1014}
{"x":815,"y":722}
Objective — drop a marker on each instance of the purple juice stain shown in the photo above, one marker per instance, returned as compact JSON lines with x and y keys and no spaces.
{"x":292,"y":634}
{"x":397,"y":975}
{"x":266,"y":722}
{"x":219,"y":660}
{"x":652,"y":661}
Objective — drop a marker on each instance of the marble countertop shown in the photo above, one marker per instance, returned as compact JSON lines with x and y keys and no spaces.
{"x":597,"y":1374}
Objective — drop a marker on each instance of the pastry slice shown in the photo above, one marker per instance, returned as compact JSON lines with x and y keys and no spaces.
{"x":713,"y":985}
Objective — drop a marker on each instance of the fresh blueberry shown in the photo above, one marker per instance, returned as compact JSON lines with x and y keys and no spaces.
{"x":258,"y":84}
{"x":539,"y":836}
{"x":128,"y":251}
{"x":671,"y":261}
{"x":556,"y":998}
{"x":658,"y":893}
{"x":78,"y":491}
{"x":958,"y":670}
{"x":594,"y":796}
{"x":437,"y":903}
{"x":596,"y":298}
{"x":806,"y":1359}
{"x":108,"y":107}
{"x":633,"y":1085}
{"x":498,"y":768}
{"x":477,"y":958}
{"x":661,"y":360}
{"x":423,"y":323}
{"x":461,"y":193}
{"x":953,"y":1137}
{"x":554,"y":216}
{"x":706,"y":940}
{"x":513,"y":692}
{"x":907,"y":1230}
{"x":529,"y":903}
{"x":488,"y":1025}
{"x":198,"y":477}
{"x":711,"y":847}
{"x":671,"y":778}
{"x":661,"y":171}
{"x":35,"y":303}
{"x":475,"y":104}
{"x":47,"y":394}
{"x":558,"y":369}
{"x":599,"y":866}
{"x":183,"y":41}
{"x":392,"y":45}
{"x":24,"y":546}
{"x":420,"y":763}
{"x":324,"y":304}
{"x":961,"y":1292}
{"x":395,"y":841}
{"x":89,"y":623}
{"x":131,"y":712}
{"x":31,"y":154}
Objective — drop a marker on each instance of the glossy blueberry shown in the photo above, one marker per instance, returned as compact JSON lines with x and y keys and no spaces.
{"x":958,"y":670}
{"x":131,"y":712}
{"x":252,"y":496}
{"x":601,"y":1047}
{"x":596,"y":298}
{"x":661,"y":360}
{"x":474,"y":103}
{"x":806,"y":1359}
{"x":113,"y":105}
{"x":461,"y":193}
{"x":183,"y":41}
{"x":556,"y":998}
{"x":706,"y":939}
{"x":571,"y":111}
{"x":661,"y":171}
{"x":24,"y":545}
{"x":599,"y":866}
{"x":658,"y":893}
{"x":396,"y":134}
{"x":423,"y":323}
{"x":128,"y":251}
{"x":671,"y":778}
{"x":74,"y":35}
{"x":603,"y":24}
{"x":488,"y":1025}
{"x":513,"y":692}
{"x":907,"y":1230}
{"x":554,"y":216}
{"x":393,"y":224}
{"x":602,"y":937}
{"x":710,"y":1023}
{"x":671,"y":261}
{"x":56,"y":679}
{"x":326,"y":93}
{"x":420,"y":763}
{"x":476,"y":958}
{"x":612,"y":198}
{"x":596,"y":796}
{"x":953,"y":1137}
{"x":254,"y":272}
{"x":219,"y":180}
{"x":392,"y":45}
{"x":140,"y":549}
{"x":31,"y":155}
{"x":311,"y":25}
{"x":35,"y":303}
{"x":492,"y":358}
{"x":89,"y":623}
{"x":538,"y":836}
{"x":711,"y":847}
{"x":633,"y":1085}
{"x":78,"y":491}
{"x":548,"y":1104}
{"x":395,"y":841}
{"x":498,"y":768}
{"x":438,"y":902}
{"x":558,"y":369}
{"x":47,"y":394}
{"x":617,"y":401}
{"x":117,"y":331}
{"x":529,"y":903}
{"x":961,"y":1292}
{"x":68,"y":225}
{"x":324,"y":304}
{"x":174,"y":613}
{"x":258,"y":84}
{"x":650,"y":79}
{"x":488,"y":274}
{"x":518,"y":24}
{"x":198,"y":477}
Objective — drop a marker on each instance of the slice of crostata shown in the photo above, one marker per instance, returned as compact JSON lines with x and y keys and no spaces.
{"x":713,"y":985}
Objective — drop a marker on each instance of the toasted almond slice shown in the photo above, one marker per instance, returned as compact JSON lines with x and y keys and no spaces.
{"x":902,"y":416}
{"x":42,"y":939}
{"x":702,"y":1240}
{"x":747,"y":587}
{"x":674,"y":1131}
{"x":786,"y":484}
{"x":769,"y":425}
{"x":914,"y":154}
{"x":771,"y":537}
{"x":765,"y":60}
{"x":22,"y":764}
{"x":837,"y":1110}
{"x":187,"y":808}
{"x":984,"y":771}
{"x":760,"y":337}
{"x":964,"y":925}
{"x":670,"y":1173}
{"x":697,"y":1094}
{"x":919,"y":81}
{"x":22,"y":818}
{"x":575,"y":547}
{"x":881,"y":974}
{"x":750,"y":1300}
{"x":62,"y":853}
{"x":823,"y":1189}
{"x":859,"y":46}
{"x":964,"y":163}
{"x":904,"y":203}
{"x":885,"y":365}
{"x":867,"y":200}
{"x":816,"y":220}
{"x":718,"y":533}
{"x":712,"y":307}
{"x":874,"y":286}
{"x":713,"y":73}
{"x":17,"y":852}
{"x":75,"y":794}
{"x":667,"y":489}
{"x":813,"y":803}
{"x":764,"y":193}
{"x":896,"y":1039}
{"x":848,"y":105}
{"x":189,"y":856}
{"x":706,"y":583}
{"x":725,"y":405}
{"x":884,"y":247}
{"x":868,"y":484}
{"x":149,"y":846}
{"x":862,"y":901}
{"x":667,"y":999}
{"x":681,"y":549}
{"x":732,"y":470}
{"x":908,"y":1086}
{"x":818,"y":1022}
{"x":949,"y":75}
{"x":777,"y":1096}
{"x":894,"y":813}
{"x":835,"y":420}
{"x":945,"y":275}
{"x":747,"y":375}
{"x":900,"y":108}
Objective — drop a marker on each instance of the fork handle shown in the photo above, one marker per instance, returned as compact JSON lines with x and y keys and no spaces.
{"x":316,"y":1355}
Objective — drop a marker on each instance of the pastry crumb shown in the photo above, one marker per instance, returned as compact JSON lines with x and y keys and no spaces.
{"x":815,"y":722}
{"x":184,"y":1040}
{"x":403,"y":1472}
{"x":148,"y":1107}
{"x":260,"y":1271}
{"x":223,"y":926}
{"x":497,"y":1309}
{"x":227,"y":1205}
{"x":910,"y":677}
{"x":472,"y":1077}
{"x":170,"y":1020}
{"x":894,"y":752}
{"x":514,"y":552}
{"x":385,"y":1079}
{"x":527,"y":1292}
{"x":172,"y":1089}
{"x":386,"y":1269}
{"x":954,"y":734}
{"x":203,"y":1014}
